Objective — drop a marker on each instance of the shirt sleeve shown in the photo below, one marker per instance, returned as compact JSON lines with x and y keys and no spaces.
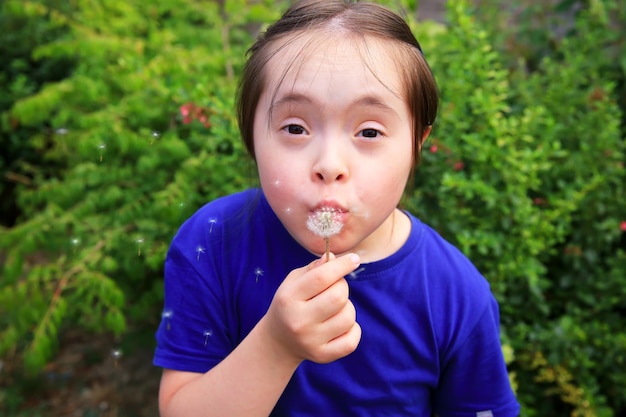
{"x":193,"y":335}
{"x":474,"y":381}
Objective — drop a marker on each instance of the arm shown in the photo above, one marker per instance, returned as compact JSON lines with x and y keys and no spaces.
{"x":310,"y":318}
{"x":475,"y":377}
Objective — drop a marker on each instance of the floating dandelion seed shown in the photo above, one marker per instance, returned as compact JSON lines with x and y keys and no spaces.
{"x":325,"y":223}
{"x":61,"y":131}
{"x":355,"y":274}
{"x":288,"y":210}
{"x":75,"y":241}
{"x":207,"y":334}
{"x":155,"y":136}
{"x":116,"y":354}
{"x":356,"y":211}
{"x":199,"y":250}
{"x":167,"y":315}
{"x":139,"y":242}
{"x":258,"y":272}
{"x":212,"y":222}
{"x":101,"y":148}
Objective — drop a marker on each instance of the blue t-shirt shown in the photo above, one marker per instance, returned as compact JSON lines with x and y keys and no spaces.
{"x":430,"y":325}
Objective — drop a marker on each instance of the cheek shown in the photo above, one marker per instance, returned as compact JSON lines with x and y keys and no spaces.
{"x":281,"y":188}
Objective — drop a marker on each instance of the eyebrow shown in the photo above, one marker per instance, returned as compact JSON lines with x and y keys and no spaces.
{"x":291,"y":99}
{"x":374,"y":101}
{"x":364,"y":101}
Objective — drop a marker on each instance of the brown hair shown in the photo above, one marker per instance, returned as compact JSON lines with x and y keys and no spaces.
{"x":359,"y":19}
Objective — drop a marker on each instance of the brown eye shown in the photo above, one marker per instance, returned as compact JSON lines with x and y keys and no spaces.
{"x":295,"y":129}
{"x":370,"y":133}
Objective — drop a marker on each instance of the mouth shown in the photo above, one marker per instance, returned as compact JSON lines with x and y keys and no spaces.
{"x":330,"y":206}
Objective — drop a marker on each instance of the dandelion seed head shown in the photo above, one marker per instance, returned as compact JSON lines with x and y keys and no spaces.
{"x":324,"y":222}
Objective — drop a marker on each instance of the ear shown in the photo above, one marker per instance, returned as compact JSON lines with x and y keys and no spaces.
{"x":426,"y":133}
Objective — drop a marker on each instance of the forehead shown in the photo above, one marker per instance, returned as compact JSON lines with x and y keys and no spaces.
{"x":308,"y":59}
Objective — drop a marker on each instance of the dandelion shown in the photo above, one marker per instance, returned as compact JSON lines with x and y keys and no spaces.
{"x":325,"y":223}
{"x":199,"y":250}
{"x":155,"y":136}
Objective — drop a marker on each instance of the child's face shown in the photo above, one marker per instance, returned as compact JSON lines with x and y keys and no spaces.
{"x":335,"y":132}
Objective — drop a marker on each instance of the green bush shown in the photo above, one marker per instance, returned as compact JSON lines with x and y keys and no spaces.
{"x":20,"y":77}
{"x":524,"y":172}
{"x":146,"y":128}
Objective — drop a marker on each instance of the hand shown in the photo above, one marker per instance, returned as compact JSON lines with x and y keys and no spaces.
{"x":311,"y":316}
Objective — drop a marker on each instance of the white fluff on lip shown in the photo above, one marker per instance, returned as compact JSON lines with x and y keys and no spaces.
{"x":324,"y":222}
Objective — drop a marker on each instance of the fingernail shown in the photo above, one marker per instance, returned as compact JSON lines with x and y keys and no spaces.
{"x":356,"y":259}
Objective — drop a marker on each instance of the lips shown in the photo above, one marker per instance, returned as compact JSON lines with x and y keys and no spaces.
{"x":331,"y":206}
{"x":339,"y":212}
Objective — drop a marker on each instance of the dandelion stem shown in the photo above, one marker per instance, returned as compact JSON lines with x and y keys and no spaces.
{"x":327,"y":240}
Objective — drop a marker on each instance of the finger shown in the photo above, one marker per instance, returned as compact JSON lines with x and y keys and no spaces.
{"x":321,"y":277}
{"x":340,"y":346}
{"x":340,"y":322}
{"x":297,"y":273}
{"x":329,"y":302}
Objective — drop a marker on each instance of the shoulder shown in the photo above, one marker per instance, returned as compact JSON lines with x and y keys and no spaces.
{"x":458,"y":294}
{"x":224,"y":210}
{"x":217,"y":223}
{"x":450,"y":270}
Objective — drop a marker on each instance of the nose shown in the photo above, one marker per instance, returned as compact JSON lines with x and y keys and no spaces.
{"x":330,"y":164}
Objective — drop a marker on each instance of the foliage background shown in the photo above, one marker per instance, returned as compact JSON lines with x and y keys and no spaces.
{"x":118,"y":123}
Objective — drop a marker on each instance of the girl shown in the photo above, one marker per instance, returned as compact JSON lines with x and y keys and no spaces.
{"x":335,"y":103}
